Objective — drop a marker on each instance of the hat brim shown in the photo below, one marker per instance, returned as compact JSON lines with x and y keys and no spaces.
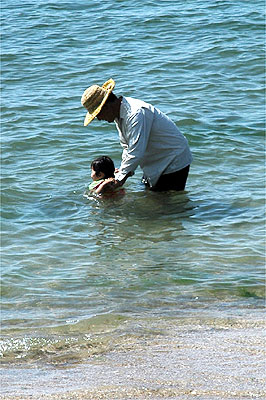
{"x":108,"y":86}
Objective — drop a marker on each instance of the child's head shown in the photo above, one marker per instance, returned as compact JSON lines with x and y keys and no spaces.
{"x":102,"y":168}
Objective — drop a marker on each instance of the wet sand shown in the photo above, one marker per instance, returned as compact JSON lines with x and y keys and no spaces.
{"x":224,"y":360}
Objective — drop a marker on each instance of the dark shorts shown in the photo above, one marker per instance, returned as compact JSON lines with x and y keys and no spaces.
{"x":174,"y":181}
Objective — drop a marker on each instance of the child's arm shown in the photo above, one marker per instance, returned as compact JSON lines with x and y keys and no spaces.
{"x":110,"y":184}
{"x":106,"y":185}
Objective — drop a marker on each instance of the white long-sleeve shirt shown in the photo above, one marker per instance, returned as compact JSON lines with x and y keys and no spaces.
{"x":151,"y":140}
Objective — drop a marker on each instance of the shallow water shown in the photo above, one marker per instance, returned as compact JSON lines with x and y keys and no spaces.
{"x":75,"y":268}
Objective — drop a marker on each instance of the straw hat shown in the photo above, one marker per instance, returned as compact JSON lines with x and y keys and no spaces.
{"x":94,"y":98}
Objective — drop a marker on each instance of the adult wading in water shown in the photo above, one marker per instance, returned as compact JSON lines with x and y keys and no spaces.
{"x":148,"y":137}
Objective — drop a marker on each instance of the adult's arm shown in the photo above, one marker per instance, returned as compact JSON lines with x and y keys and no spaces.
{"x":136,"y":135}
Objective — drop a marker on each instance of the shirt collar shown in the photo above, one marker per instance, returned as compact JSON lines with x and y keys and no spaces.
{"x":123,"y":108}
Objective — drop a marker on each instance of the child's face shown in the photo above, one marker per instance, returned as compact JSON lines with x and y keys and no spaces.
{"x":96,"y":177}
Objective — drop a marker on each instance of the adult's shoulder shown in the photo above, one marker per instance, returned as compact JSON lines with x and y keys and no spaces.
{"x":133,"y":105}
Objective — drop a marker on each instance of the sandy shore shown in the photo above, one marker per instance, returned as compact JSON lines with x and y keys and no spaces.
{"x":213,"y":361}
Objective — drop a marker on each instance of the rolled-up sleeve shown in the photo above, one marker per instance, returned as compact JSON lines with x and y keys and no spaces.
{"x":135,"y":133}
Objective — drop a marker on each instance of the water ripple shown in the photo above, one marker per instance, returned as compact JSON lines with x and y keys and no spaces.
{"x":67,"y":257}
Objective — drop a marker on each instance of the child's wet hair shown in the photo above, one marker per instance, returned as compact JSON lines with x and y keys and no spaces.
{"x":105,"y":165}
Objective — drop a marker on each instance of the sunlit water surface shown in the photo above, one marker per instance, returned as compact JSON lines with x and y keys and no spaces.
{"x":76,"y":270}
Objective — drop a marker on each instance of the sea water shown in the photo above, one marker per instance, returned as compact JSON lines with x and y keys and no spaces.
{"x":78,"y":272}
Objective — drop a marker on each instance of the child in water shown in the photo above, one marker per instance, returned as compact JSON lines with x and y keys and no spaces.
{"x":103,"y":176}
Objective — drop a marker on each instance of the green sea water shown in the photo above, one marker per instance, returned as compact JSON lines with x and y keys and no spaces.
{"x":77,"y":271}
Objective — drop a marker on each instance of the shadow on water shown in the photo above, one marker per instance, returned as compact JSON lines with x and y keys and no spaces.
{"x":142,"y":207}
{"x":139,"y":219}
{"x":146,"y":205}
